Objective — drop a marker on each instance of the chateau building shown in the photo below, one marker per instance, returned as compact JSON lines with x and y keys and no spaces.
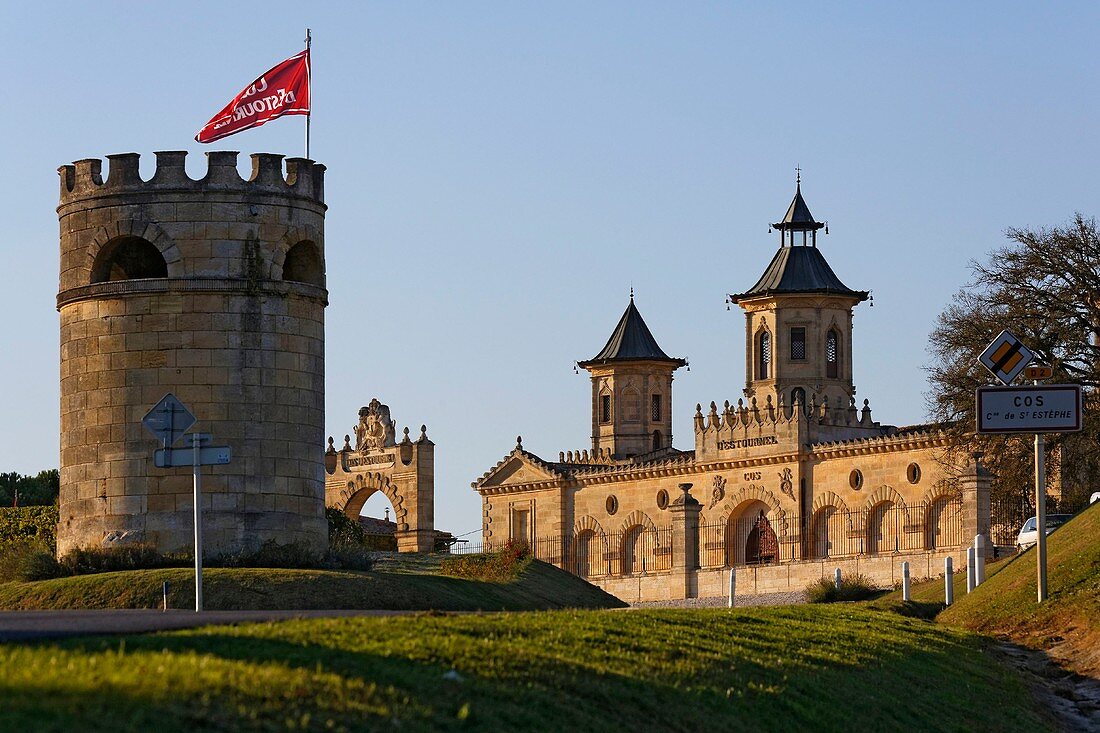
{"x":793,"y":480}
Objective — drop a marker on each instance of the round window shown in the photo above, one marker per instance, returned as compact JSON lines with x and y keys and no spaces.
{"x":913,"y":473}
{"x":612,"y":504}
{"x":662,"y":499}
{"x":855,"y":479}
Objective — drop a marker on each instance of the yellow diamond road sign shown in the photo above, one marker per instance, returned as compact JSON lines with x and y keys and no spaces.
{"x":1006,"y":357}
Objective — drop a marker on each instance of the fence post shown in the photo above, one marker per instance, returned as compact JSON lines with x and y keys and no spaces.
{"x":970,"y":570}
{"x":979,"y":559}
{"x":733,"y":584}
{"x":685,"y":542}
{"x":836,"y":578}
{"x":948,"y":582}
{"x":905,"y":581}
{"x":164,"y":591}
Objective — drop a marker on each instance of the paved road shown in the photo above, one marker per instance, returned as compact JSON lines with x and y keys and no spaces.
{"x":30,"y":625}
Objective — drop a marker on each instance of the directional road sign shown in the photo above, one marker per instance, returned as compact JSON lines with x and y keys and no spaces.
{"x":217,"y":455}
{"x":1006,"y":357}
{"x":168,"y":420}
{"x":1051,"y":408}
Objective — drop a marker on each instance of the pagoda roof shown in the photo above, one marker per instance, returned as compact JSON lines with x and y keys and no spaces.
{"x":799,"y":269}
{"x":631,"y":341}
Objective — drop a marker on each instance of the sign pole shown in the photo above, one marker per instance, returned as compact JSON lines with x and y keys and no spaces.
{"x":196,"y":469}
{"x":1041,"y":513}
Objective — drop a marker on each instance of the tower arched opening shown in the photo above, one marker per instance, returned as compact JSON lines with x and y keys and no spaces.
{"x":128,"y":258}
{"x":303,"y":264}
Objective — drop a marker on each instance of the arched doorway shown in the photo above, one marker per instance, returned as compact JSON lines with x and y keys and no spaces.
{"x":761,"y":546}
{"x":750,"y":535}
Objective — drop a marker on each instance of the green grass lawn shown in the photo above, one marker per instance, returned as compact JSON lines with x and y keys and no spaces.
{"x":791,"y":668}
{"x":1006,"y":605}
{"x":397,"y":582}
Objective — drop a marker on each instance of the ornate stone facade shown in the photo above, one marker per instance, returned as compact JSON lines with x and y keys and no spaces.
{"x":790,"y":481}
{"x":404,"y":471}
{"x":213,"y":289}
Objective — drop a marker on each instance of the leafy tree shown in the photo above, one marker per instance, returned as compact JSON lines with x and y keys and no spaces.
{"x":40,"y":489}
{"x":1044,"y":286}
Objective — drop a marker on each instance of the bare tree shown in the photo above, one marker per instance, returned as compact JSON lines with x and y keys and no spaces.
{"x":1044,"y":286}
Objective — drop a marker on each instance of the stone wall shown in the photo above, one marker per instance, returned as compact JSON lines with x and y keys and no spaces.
{"x":233,"y":326}
{"x":883,"y":571}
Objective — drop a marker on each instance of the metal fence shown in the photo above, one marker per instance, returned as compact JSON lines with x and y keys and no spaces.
{"x":756,"y":538}
{"x":634,"y":551}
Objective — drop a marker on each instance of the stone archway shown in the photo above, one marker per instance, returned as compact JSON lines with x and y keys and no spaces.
{"x":402,"y":470}
{"x":362,"y":487}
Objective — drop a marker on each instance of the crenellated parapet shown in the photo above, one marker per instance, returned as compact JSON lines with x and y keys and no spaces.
{"x":83,"y":179}
{"x":747,"y":429}
{"x":596,"y":457}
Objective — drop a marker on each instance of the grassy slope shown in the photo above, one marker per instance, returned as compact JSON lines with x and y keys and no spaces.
{"x":398,"y":583}
{"x":794,"y":668}
{"x":1069,"y":621}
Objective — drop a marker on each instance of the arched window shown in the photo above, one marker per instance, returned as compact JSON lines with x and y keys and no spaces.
{"x":884,"y":528}
{"x":656,"y":439}
{"x":832,"y":354}
{"x":128,"y":258}
{"x":583,"y":550}
{"x":303,"y":264}
{"x":764,"y":350}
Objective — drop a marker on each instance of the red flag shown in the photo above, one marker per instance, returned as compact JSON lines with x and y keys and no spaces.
{"x":283,"y":90}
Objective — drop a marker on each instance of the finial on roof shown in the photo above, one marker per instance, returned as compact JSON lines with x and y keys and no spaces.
{"x":519,"y":442}
{"x":632,"y":291}
{"x":797,"y":176}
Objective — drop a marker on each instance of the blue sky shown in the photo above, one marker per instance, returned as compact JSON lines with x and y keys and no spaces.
{"x":501,"y":173}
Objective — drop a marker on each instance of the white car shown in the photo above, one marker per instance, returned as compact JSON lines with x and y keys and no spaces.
{"x":1028,"y":535}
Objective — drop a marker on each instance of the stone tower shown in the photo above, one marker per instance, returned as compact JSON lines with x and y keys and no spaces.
{"x":631,"y":390}
{"x":798,"y":321}
{"x":213,"y":289}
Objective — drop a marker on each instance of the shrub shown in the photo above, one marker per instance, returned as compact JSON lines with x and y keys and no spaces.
{"x":343,"y":531}
{"x":345,"y":556}
{"x":503,"y":564}
{"x":272,"y":555}
{"x":852,"y":588}
{"x":30,"y":522}
{"x":88,"y":560}
{"x":349,"y":558}
{"x":28,"y":559}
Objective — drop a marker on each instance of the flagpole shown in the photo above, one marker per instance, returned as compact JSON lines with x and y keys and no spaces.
{"x":309,"y":81}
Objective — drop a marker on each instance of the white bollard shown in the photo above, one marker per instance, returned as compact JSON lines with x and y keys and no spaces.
{"x":733,"y":584}
{"x":905,"y":581}
{"x":970,"y":570}
{"x":979,"y":559}
{"x":948,"y":582}
{"x":836,"y":578}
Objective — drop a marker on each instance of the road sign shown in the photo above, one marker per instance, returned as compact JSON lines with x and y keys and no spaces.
{"x":1006,"y":357}
{"x":1051,"y":408}
{"x":218,"y":455}
{"x":168,"y":420}
{"x":1038,"y":372}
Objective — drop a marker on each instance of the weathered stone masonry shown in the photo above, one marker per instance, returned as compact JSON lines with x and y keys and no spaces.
{"x":213,"y":289}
